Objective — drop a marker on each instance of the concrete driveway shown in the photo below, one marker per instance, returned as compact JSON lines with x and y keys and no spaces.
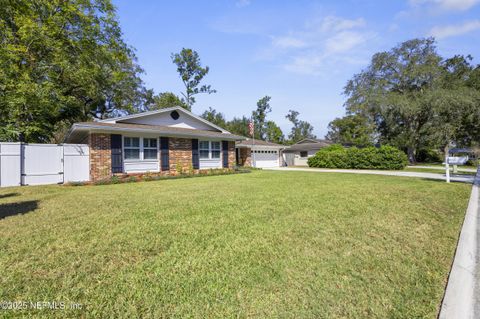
{"x":453,"y":178}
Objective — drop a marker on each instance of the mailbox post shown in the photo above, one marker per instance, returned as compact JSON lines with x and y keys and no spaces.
{"x":447,"y":168}
{"x":454,"y":160}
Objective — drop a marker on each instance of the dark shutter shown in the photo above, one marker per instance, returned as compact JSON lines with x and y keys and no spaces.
{"x":117,"y":158}
{"x":165,"y":159}
{"x":225,"y":153}
{"x":195,"y":156}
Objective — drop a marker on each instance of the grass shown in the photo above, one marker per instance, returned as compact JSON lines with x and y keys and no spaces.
{"x":265,"y":244}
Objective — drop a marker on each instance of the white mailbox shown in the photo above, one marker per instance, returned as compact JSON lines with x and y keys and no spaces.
{"x":454,"y":160}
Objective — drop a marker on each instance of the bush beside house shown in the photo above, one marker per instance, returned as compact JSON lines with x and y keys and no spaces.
{"x":337,"y":156}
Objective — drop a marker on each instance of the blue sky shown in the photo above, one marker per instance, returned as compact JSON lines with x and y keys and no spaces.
{"x":301,"y":53}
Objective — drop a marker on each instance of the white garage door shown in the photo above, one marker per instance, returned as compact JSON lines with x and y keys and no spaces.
{"x":265,"y":158}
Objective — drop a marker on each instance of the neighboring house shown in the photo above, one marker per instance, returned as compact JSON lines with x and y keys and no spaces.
{"x":163,"y":141}
{"x":259,"y":153}
{"x":298,"y":153}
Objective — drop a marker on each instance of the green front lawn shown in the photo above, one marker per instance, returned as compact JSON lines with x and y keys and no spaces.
{"x":264,"y":244}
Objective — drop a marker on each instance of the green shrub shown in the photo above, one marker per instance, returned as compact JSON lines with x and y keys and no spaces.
{"x":337,"y":156}
{"x":156,"y":176}
{"x":473,"y":162}
{"x":114,"y":179}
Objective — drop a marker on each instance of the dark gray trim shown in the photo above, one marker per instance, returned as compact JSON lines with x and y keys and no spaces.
{"x":225,"y":153}
{"x":164,"y":154}
{"x":117,"y":155}
{"x":195,"y":154}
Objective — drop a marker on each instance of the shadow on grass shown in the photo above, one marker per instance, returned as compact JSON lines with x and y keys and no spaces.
{"x":8,"y":195}
{"x":12,"y":209}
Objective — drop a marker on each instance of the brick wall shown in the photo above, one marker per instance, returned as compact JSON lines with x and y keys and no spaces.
{"x":180,"y":155}
{"x":231,"y":154}
{"x":180,"y":150}
{"x":100,"y":156}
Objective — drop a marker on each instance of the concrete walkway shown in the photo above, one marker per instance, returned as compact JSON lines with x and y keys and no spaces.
{"x":453,"y":178}
{"x":462,"y":296}
{"x":460,"y":169}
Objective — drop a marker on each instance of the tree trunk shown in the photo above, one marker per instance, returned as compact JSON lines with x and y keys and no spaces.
{"x":411,"y":155}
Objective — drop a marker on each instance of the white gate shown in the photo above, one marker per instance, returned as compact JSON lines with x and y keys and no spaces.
{"x":10,"y":164}
{"x":38,"y":164}
{"x":42,"y":164}
{"x":76,"y":163}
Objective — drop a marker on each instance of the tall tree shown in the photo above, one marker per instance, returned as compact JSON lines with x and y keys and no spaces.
{"x":191,"y":72}
{"x":259,"y":116}
{"x":163,"y":100}
{"x":300,"y":129}
{"x":353,"y":129}
{"x":239,"y":126}
{"x":392,"y":92}
{"x":273,"y":133}
{"x":456,"y":105}
{"x":416,"y":98}
{"x":214,"y":117}
{"x":62,"y":61}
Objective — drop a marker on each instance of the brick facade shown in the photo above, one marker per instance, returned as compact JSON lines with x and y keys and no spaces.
{"x":100,"y":156}
{"x":231,"y":154}
{"x":180,"y":156}
{"x":180,"y":151}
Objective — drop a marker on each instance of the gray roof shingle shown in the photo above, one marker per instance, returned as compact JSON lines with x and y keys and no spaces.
{"x":249,"y":143}
{"x":77,"y":128}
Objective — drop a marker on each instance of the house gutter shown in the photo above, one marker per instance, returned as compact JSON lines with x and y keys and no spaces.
{"x":462,"y":295}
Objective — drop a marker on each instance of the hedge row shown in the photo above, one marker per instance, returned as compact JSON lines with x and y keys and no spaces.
{"x":337,"y":156}
{"x":126,"y":178}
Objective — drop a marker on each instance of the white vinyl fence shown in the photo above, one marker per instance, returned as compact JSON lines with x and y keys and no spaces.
{"x":38,"y":164}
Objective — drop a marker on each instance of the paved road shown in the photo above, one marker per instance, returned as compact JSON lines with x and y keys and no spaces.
{"x":476,"y":310}
{"x":462,"y":296}
{"x":453,"y":178}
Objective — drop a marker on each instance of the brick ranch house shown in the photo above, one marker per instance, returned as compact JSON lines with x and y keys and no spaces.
{"x":162,"y":141}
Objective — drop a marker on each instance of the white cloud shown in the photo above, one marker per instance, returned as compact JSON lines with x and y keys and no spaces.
{"x":333,"y":23}
{"x":288,"y":42}
{"x":447,"y":5}
{"x":344,"y":41}
{"x":441,"y":32}
{"x":242,"y":3}
{"x":321,"y":43}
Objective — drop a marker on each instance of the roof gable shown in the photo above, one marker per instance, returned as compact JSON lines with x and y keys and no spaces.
{"x":308,"y":140}
{"x":166,"y":117}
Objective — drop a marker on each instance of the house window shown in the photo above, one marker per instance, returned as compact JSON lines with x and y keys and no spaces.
{"x":209,"y":150}
{"x":136,"y":148}
{"x":131,"y":146}
{"x":215,"y":149}
{"x":204,"y":149}
{"x":150,"y":148}
{"x":303,"y":154}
